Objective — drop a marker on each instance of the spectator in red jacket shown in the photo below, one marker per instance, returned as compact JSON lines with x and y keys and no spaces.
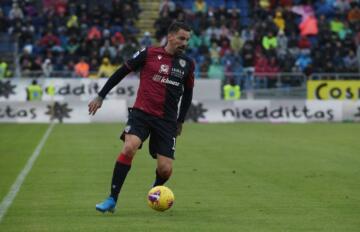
{"x":49,"y":40}
{"x":304,"y":43}
{"x":94,"y":33}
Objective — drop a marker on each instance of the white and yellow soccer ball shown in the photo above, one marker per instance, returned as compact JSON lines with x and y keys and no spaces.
{"x":160,"y":198}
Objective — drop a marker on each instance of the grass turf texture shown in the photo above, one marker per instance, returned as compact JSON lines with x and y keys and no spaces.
{"x":227,"y":177}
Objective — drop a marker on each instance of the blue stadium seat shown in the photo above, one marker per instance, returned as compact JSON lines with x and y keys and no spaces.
{"x":231,"y":4}
{"x":243,"y":4}
{"x":177,"y":1}
{"x":216,"y":3}
{"x":244,"y":12}
{"x":6,"y":10}
{"x":245,"y":21}
{"x":188,"y":4}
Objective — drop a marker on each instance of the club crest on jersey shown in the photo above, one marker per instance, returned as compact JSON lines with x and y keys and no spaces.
{"x":164,"y":68}
{"x":182,"y":63}
{"x":159,"y":57}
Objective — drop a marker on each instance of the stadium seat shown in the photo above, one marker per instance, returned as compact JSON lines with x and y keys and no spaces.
{"x":231,"y":4}
{"x":216,"y":3}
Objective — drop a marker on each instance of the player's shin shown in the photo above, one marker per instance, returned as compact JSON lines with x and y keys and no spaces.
{"x":122,"y":167}
{"x":160,"y":179}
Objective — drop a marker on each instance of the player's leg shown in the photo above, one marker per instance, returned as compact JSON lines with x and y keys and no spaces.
{"x":134,"y":134}
{"x":121,"y":169}
{"x":162,"y":147}
{"x":163,"y":170}
{"x":123,"y":163}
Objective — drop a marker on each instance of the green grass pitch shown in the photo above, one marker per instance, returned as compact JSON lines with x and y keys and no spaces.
{"x":227,"y":177}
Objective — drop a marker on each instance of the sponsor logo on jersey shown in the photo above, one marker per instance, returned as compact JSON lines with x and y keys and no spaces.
{"x":161,"y":79}
{"x":176,"y":72}
{"x":164,"y":69}
{"x":138,"y":52}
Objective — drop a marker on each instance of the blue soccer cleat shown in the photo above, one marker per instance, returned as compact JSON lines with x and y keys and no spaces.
{"x":106,"y":206}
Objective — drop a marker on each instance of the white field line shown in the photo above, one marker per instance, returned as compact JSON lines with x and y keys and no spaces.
{"x":9,"y":198}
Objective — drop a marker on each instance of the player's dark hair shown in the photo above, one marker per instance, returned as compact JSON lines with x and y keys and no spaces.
{"x":176,"y":26}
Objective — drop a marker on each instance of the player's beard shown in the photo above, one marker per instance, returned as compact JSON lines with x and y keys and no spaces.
{"x":180,"y":49}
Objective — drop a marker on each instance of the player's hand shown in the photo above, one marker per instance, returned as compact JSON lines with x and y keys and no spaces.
{"x":95,"y":104}
{"x":179,"y":128}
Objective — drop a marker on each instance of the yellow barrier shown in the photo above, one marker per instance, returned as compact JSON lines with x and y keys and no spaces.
{"x":334,"y":90}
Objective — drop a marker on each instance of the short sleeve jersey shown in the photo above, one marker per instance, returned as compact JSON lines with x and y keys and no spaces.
{"x":163,"y":78}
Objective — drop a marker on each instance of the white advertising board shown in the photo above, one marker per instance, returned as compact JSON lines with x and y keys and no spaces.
{"x":61,"y":111}
{"x":84,"y":89}
{"x":297,"y":111}
{"x":76,"y":111}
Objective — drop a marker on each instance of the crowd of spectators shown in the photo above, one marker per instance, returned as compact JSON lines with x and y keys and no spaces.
{"x":268,"y":37}
{"x":62,"y":38}
{"x":232,"y":39}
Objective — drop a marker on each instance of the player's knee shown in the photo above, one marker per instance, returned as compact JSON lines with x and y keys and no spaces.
{"x":165,"y":171}
{"x":129,"y":150}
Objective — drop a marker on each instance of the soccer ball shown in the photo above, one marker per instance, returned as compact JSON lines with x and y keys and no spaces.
{"x":160,"y":198}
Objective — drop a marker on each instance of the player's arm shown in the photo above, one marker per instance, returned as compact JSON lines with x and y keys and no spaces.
{"x":184,"y":107}
{"x":133,"y":64}
{"x":115,"y":78}
{"x":186,"y":100}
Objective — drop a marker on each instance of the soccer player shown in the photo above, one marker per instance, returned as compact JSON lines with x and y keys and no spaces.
{"x":166,"y":75}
